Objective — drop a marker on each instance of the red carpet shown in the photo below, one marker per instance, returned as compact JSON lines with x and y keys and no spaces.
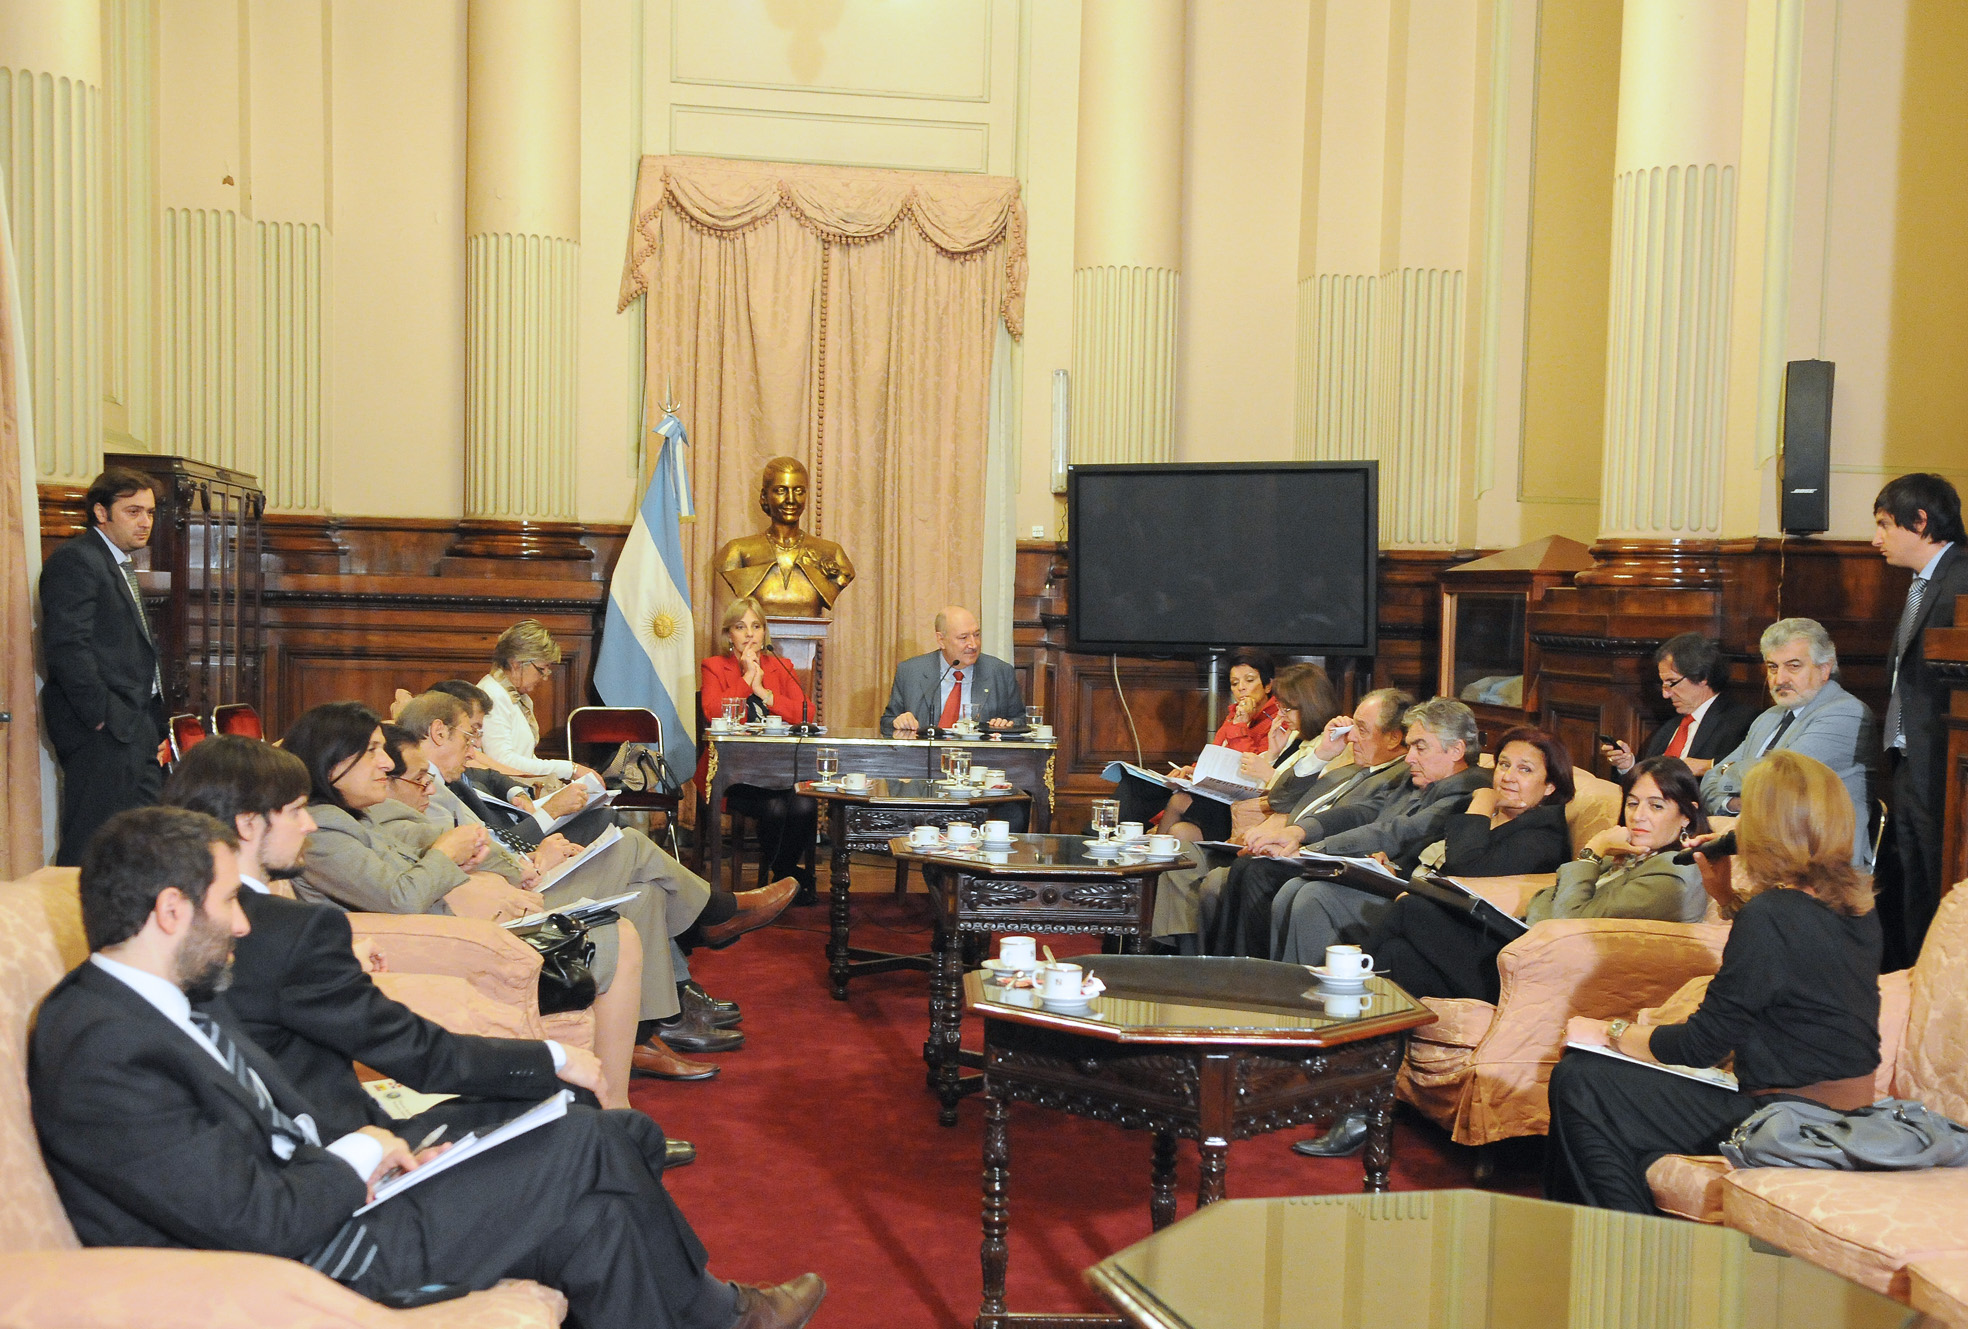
{"x":819,"y":1148}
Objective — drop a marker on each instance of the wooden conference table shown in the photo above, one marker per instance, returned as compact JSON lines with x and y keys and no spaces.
{"x":780,"y":761}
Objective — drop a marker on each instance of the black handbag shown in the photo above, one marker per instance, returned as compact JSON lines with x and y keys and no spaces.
{"x":567,"y":981}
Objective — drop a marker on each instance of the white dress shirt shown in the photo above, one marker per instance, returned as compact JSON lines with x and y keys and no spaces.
{"x":949,"y":681}
{"x":510,"y":736}
{"x":359,"y":1151}
{"x":1695,"y":723}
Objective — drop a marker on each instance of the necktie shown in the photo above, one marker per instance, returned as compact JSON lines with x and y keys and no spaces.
{"x":1678,"y":745}
{"x":952,"y":702}
{"x":1777,"y":736}
{"x":1895,"y":727}
{"x":283,"y":1125}
{"x":129,"y":571}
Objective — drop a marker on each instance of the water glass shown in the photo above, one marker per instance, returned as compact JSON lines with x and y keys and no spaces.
{"x":826,"y":764}
{"x":1034,"y":716}
{"x":960,"y":765}
{"x":943,"y":757}
{"x":967,"y":716}
{"x":1106,"y":818}
{"x":734,"y":710}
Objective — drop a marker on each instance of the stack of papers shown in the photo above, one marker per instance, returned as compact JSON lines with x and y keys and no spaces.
{"x":552,"y":1109}
{"x":601,"y":842}
{"x":1721,"y":1079}
{"x":581,"y":910}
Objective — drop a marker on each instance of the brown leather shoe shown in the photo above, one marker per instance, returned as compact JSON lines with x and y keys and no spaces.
{"x":755,"y":910}
{"x":787,"y":1306}
{"x":657,"y":1058}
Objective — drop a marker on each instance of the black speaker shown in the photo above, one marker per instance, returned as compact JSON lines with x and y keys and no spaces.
{"x":1805,"y":472}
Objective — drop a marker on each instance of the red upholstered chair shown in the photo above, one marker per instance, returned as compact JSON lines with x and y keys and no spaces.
{"x":593,"y":734}
{"x":237,"y":717}
{"x":186,"y":731}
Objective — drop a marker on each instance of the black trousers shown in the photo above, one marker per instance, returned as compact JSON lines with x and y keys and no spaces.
{"x":1908,"y":876}
{"x":578,"y":1205}
{"x":1431,"y":951}
{"x":102,"y":776}
{"x":788,"y":825}
{"x":1242,"y":925}
{"x":1611,"y":1119}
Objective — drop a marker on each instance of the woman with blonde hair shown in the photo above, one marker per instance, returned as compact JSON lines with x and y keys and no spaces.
{"x":1796,"y":1002}
{"x":522,"y":659}
{"x":748,"y":669}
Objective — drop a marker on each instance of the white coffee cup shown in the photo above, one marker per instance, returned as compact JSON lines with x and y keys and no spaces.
{"x":857,"y":781}
{"x":1060,"y":981}
{"x":1018,"y":952}
{"x":923,"y":835}
{"x":1346,"y":1005}
{"x":1163,"y":844}
{"x":720,"y":725}
{"x":1041,"y":731}
{"x":1348,"y":962}
{"x":992,"y":775}
{"x":998,"y":831}
{"x":1130,"y":830}
{"x":960,"y":832}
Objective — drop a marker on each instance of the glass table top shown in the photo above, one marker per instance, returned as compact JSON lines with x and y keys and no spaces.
{"x":884,"y":790}
{"x":1417,"y":1259}
{"x":1045,"y":855}
{"x":869,"y":734}
{"x":1207,"y":998}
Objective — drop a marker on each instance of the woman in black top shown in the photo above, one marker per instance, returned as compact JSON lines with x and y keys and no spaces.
{"x":1796,"y":1002}
{"x":1514,"y":827}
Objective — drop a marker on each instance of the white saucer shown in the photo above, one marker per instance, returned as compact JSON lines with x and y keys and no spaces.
{"x":1064,"y":1007}
{"x":997,"y":844}
{"x":1356,"y":983}
{"x":824,"y":784}
{"x":1103,"y":848}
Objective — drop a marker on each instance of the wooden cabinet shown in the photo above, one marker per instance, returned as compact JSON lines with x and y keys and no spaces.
{"x":1488,"y":659}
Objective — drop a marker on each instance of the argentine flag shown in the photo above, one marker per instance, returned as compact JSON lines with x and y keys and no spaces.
{"x":649,"y":640}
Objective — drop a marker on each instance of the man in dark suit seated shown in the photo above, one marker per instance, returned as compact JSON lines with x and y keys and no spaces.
{"x":104,"y":702}
{"x":932,"y":689}
{"x":166,"y":1125}
{"x":1706,"y":725}
{"x":299,"y":991}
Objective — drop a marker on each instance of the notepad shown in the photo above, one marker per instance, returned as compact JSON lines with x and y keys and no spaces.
{"x":548,"y":1110}
{"x":1709,"y":1075}
{"x":581,"y":911}
{"x":601,"y":842}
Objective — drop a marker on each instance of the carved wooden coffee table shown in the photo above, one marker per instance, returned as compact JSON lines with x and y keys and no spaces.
{"x":1042,"y":883}
{"x":869,"y":820}
{"x":1201,"y":1048}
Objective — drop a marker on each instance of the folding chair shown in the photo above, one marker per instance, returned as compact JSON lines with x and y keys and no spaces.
{"x":593,"y":727}
{"x":186,"y":731}
{"x":239,"y":718}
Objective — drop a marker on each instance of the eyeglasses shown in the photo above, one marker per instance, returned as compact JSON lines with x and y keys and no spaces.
{"x":1669,"y":684}
{"x":424,"y":780}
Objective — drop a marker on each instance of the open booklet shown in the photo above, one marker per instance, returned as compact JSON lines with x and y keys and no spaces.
{"x":593,"y":790}
{"x":1453,"y":894}
{"x":1218,"y":775}
{"x":1116,"y":769}
{"x":547,"y":1110}
{"x":1721,"y":1079}
{"x":552,"y":877}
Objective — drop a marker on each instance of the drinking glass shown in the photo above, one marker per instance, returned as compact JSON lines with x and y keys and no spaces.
{"x":734,"y":710}
{"x":943,"y":756}
{"x":967,"y":716}
{"x":1106,"y":818}
{"x":960,"y":765}
{"x":1034,"y":716}
{"x":826,"y":764}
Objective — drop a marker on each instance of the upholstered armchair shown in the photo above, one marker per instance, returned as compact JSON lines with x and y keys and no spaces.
{"x":1481,"y":1070}
{"x":45,"y":1279}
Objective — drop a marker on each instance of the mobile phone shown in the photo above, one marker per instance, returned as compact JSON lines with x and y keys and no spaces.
{"x":429,"y":1294}
{"x":1607,"y":740}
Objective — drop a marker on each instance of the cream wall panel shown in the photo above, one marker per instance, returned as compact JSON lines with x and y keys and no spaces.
{"x":1352,"y":136}
{"x":1243,"y":149}
{"x":201,"y":347}
{"x":1685,"y":109}
{"x":1124,"y":349}
{"x":519,"y":353}
{"x":130,"y":223}
{"x":291,"y":363}
{"x":1438,"y":137}
{"x":840,"y":140}
{"x":1417,"y":400}
{"x":608,"y":373}
{"x":202,"y":125}
{"x":287,"y":79}
{"x":1336,"y":373}
{"x":935,"y":49}
{"x":1047,"y":164}
{"x":59,"y":36}
{"x":396,"y":346}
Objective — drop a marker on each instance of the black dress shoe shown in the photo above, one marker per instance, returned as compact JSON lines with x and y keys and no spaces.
{"x":721,"y":1014}
{"x":692,"y":1032}
{"x":678,"y":1153}
{"x":1348,"y":1135}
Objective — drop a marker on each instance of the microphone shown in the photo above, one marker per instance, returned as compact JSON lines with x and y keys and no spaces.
{"x":1714,"y":849}
{"x":931,"y":731}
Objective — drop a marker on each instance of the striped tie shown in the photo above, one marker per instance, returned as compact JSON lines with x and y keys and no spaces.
{"x":129,"y":571}
{"x":1902,"y":638}
{"x":350,"y":1251}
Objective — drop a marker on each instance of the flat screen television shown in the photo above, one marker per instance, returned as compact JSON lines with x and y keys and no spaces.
{"x":1183,"y":559}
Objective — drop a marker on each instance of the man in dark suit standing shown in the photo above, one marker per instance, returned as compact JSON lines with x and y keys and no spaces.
{"x":933,"y":689}
{"x":104,"y":702}
{"x":1917,"y":526}
{"x":1706,"y":725}
{"x":165,"y":1125}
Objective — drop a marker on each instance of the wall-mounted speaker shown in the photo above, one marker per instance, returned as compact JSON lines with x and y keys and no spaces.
{"x":1804,"y":474}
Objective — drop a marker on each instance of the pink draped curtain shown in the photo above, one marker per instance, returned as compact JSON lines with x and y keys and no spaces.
{"x":846,"y":318}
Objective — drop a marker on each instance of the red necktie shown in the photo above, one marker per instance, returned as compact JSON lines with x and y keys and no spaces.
{"x":951,"y":703}
{"x":1678,"y":745}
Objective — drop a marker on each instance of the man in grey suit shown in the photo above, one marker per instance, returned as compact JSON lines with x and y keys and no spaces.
{"x":1189,"y":901}
{"x":933,"y":689}
{"x":1813,"y":715}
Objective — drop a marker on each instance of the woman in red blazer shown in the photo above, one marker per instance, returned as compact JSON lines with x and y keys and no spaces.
{"x":788,"y":822}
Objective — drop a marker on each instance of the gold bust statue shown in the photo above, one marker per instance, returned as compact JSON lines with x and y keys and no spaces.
{"x":793,"y":574}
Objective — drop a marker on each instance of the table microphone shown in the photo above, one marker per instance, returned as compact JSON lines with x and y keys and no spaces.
{"x":1714,"y":849}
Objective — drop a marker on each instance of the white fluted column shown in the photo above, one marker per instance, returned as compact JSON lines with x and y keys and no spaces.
{"x":1675,"y":185}
{"x":522,"y":220}
{"x":51,"y":163}
{"x":1127,"y":240}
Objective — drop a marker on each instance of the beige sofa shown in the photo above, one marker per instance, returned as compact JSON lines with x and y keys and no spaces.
{"x":46,"y":1280}
{"x":1481,"y":1070}
{"x":1901,"y":1233}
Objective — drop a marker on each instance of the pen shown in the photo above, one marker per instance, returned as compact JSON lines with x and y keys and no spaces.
{"x":429,"y":1140}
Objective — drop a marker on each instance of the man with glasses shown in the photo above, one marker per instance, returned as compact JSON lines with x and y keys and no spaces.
{"x":1706,"y":724}
{"x":1813,"y":715}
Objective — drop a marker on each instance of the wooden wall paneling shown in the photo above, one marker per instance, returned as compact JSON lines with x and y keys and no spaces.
{"x":1946,"y":649}
{"x":1843,"y":584}
{"x":1169,"y":703}
{"x":1411,"y":618}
